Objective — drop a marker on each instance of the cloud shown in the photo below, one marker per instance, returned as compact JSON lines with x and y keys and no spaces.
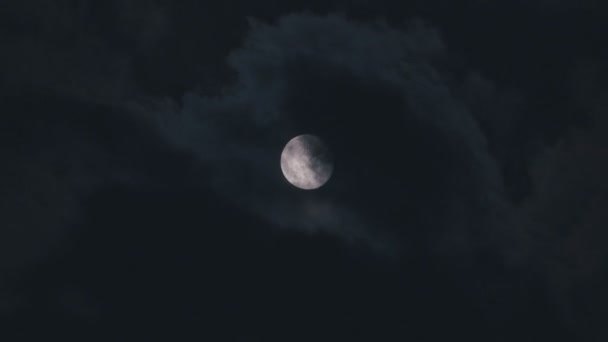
{"x":405,"y":145}
{"x":568,"y":5}
{"x":567,"y":209}
{"x":413,"y":161}
{"x":418,"y":153}
{"x":56,"y":152}
{"x":65,"y":48}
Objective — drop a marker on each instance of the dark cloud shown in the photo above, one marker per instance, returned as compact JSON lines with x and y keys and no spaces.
{"x":403,"y":142}
{"x":567,"y":207}
{"x":569,"y":5}
{"x":423,"y":148}
{"x":186,"y":259}
{"x":57,"y":152}
{"x":55,"y":47}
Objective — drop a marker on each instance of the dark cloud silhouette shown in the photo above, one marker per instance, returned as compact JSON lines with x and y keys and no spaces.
{"x":57,"y":152}
{"x":187,"y":260}
{"x":567,"y":207}
{"x":404,"y":144}
{"x":142,"y":170}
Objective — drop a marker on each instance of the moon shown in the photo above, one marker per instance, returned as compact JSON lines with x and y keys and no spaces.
{"x":306,"y":162}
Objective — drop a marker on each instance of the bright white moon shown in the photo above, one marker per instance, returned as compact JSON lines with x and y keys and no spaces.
{"x":306,"y":162}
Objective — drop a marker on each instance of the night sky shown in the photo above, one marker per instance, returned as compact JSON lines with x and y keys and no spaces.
{"x":142,"y":198}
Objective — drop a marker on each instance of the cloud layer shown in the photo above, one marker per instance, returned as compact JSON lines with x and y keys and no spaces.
{"x":567,"y":209}
{"x":419,"y":150}
{"x":405,"y":145}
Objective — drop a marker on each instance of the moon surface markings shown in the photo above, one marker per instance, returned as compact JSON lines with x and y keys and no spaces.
{"x":306,"y":162}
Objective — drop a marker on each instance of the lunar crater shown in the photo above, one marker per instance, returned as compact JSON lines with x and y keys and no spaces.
{"x":306,"y":162}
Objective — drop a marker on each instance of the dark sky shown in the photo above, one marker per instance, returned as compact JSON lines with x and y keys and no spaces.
{"x":141,"y":196}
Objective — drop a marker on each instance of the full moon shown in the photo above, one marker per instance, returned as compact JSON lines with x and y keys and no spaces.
{"x":306,"y":162}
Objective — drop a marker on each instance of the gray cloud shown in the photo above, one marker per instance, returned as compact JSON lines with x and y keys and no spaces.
{"x":566,"y":5}
{"x":241,"y":133}
{"x":567,"y":210}
{"x":384,"y":76}
{"x":61,"y":76}
{"x":63,"y":48}
{"x":57,"y":152}
{"x":439,"y":175}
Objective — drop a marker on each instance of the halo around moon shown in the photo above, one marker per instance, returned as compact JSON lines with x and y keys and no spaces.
{"x":306,"y":162}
